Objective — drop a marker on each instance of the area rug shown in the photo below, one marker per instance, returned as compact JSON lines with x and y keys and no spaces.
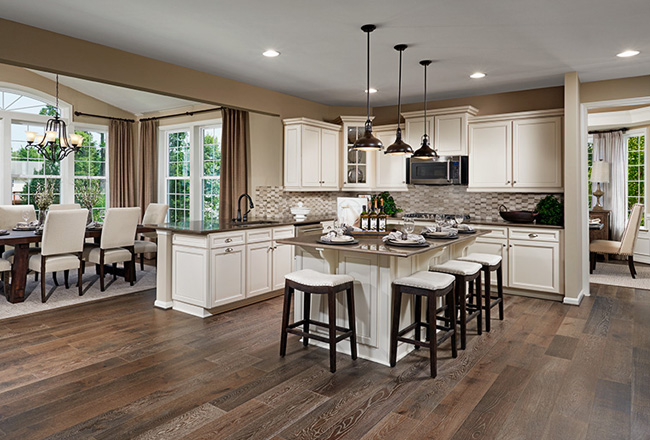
{"x":619,"y":275}
{"x":62,"y":297}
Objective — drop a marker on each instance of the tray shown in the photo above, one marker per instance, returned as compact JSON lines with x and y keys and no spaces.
{"x":4,"y":232}
{"x":25,"y":229}
{"x":397,"y":243}
{"x":440,"y":237}
{"x":462,"y":231}
{"x":339,"y":243}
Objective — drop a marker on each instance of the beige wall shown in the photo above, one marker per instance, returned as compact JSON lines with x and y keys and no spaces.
{"x":623,"y":88}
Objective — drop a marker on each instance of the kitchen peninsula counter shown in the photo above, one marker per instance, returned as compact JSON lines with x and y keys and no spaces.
{"x":210,"y":227}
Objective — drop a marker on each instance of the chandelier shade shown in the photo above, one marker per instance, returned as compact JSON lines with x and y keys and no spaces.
{"x":368,"y":142}
{"x":399,"y":147}
{"x":425,"y":151}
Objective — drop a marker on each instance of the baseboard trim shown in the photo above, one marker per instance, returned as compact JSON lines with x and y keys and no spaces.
{"x":191,"y":309}
{"x":163,"y":304}
{"x":574,"y":301}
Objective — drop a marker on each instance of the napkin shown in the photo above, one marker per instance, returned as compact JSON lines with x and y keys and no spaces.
{"x":451,"y":232}
{"x":27,"y":224}
{"x":328,"y":237}
{"x":463,"y":227}
{"x":397,"y":235}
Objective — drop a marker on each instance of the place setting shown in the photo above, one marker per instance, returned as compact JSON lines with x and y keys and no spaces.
{"x":339,"y":235}
{"x":405,"y":238}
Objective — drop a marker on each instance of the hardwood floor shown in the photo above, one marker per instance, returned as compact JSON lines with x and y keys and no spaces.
{"x":120,"y":369}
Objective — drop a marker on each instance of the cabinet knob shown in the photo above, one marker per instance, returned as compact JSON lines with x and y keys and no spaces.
{"x":228,"y":250}
{"x":508,"y":182}
{"x":533,"y":235}
{"x":503,"y":245}
{"x":228,"y":240}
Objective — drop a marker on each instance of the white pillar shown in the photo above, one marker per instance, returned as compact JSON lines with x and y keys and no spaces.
{"x":164,"y":270}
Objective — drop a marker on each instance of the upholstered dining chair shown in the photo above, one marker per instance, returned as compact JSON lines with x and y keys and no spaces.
{"x":154,"y":215}
{"x":64,"y":206}
{"x":10,"y":216}
{"x":116,"y":243}
{"x":625,"y":247}
{"x":5,"y":269}
{"x":61,"y":247}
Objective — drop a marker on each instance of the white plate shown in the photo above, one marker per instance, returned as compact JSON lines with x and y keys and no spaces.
{"x":406,"y":241}
{"x":342,"y":239}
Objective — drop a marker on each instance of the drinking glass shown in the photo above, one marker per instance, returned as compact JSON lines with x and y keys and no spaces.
{"x":440,"y":220}
{"x":25,"y":215}
{"x":459,"y":219}
{"x":409,"y":225}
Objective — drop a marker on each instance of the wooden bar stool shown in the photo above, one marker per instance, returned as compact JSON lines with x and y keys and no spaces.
{"x":489,"y":263}
{"x":465,"y":272}
{"x":432,"y":286}
{"x":310,"y":281}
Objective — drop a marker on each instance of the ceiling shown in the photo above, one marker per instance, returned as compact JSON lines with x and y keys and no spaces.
{"x":519,"y":44}
{"x":130,"y":100}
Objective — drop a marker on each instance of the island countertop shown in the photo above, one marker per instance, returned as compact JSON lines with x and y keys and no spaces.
{"x":375,"y":245}
{"x":210,"y":227}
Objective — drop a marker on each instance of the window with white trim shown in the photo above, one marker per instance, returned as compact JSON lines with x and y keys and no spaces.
{"x":211,"y":146}
{"x":178,"y":175}
{"x":636,"y":169}
{"x":90,"y":168}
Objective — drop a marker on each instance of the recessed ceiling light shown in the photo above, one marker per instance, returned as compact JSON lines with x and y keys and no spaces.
{"x":477,"y":75}
{"x":628,"y":53}
{"x":371,"y":90}
{"x":271,"y":53}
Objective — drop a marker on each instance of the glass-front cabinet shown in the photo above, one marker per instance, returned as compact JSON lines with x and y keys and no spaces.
{"x":358,"y":166}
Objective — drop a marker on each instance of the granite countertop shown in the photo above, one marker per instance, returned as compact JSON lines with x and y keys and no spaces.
{"x":211,"y":227}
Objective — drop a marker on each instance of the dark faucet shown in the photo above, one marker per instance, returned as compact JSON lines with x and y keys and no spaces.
{"x":250,"y":206}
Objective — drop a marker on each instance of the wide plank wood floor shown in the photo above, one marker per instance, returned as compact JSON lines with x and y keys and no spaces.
{"x":120,"y":369}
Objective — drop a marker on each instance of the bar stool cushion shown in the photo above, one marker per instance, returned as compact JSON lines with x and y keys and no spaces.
{"x":308,"y":277}
{"x":5,"y":265}
{"x":484,"y":259}
{"x":426,"y":280}
{"x":456,"y":267}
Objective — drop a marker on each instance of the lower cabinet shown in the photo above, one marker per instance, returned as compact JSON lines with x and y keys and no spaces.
{"x":493,"y":246}
{"x":228,"y":277}
{"x":534,"y":266}
{"x":259,"y":266}
{"x":282,"y":263}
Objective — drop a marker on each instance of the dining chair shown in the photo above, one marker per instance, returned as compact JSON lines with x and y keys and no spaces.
{"x":10,"y":216}
{"x":116,"y":243}
{"x":5,"y":269}
{"x":64,"y":206}
{"x":154,"y":215}
{"x":61,"y":246}
{"x":625,"y":247}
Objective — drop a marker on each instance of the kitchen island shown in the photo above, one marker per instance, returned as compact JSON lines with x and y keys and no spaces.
{"x":374,"y":265}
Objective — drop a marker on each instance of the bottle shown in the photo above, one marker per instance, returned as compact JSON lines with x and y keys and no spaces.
{"x":373,"y":218}
{"x":382,"y":218}
{"x":364,"y":219}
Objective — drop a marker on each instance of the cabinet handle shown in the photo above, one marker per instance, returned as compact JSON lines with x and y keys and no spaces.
{"x":533,"y":235}
{"x":228,"y":240}
{"x":228,"y":250}
{"x":508,"y":182}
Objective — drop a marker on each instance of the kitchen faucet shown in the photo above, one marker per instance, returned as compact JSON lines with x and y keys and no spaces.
{"x":250,"y":206}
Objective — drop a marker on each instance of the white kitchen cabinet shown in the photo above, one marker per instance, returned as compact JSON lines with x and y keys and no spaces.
{"x":414,"y":122}
{"x":282,"y":263}
{"x":191,"y":269}
{"x":446,"y":127}
{"x":228,"y":275}
{"x":358,"y":171}
{"x":311,"y":155}
{"x":534,"y":266}
{"x":390,"y":168}
{"x":517,"y":152}
{"x":493,"y":246}
{"x":259,"y":267}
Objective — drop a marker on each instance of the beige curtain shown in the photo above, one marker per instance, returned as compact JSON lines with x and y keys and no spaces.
{"x":121,"y":164}
{"x":148,"y":164}
{"x":611,"y":147}
{"x":234,"y":175}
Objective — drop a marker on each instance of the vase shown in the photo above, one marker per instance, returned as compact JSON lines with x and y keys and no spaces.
{"x":90,"y":215}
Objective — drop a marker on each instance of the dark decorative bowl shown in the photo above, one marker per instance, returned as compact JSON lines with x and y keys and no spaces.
{"x":517,"y":216}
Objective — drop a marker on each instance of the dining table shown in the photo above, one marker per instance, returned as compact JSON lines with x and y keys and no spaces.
{"x":22,"y":240}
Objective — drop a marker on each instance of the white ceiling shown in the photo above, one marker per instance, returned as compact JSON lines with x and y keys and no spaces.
{"x":519,"y":44}
{"x":130,"y":100}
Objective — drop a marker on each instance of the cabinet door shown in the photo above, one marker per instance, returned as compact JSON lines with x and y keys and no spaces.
{"x":537,"y":153}
{"x":534,"y":266}
{"x":494,"y":247}
{"x":415,"y":130}
{"x":282,"y":263}
{"x":311,"y":157}
{"x":364,"y":269}
{"x":490,"y":155}
{"x":258,"y":268}
{"x":451,"y":134}
{"x":292,"y":162}
{"x":190,"y":275}
{"x":391,"y":169}
{"x":329,"y":159}
{"x":228,"y":281}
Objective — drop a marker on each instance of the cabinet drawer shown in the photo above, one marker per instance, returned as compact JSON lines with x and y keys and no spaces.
{"x":495,"y":231}
{"x":198,"y":241}
{"x":533,"y":234}
{"x":283,"y":232}
{"x":258,"y":235}
{"x":227,"y":239}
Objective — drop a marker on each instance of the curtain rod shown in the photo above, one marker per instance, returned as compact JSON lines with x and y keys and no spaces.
{"x":608,"y":131}
{"x":102,"y":116}
{"x":181,"y":114}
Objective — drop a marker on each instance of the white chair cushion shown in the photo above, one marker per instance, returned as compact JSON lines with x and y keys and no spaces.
{"x":313,"y":278}
{"x":484,"y":259}
{"x":605,"y":246}
{"x":456,"y":267}
{"x":9,"y":255}
{"x":426,"y":280}
{"x":142,"y":246}
{"x":54,"y":263}
{"x":5,"y":265}
{"x":116,"y":255}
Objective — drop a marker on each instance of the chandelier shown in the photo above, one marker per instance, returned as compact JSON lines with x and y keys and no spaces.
{"x":54,"y":145}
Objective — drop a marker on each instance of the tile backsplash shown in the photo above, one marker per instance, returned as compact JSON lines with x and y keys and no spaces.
{"x":274,"y":202}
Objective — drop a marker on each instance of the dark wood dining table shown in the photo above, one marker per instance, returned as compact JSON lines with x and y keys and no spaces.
{"x":21,"y":241}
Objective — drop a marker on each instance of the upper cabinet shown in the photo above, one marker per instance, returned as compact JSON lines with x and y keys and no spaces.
{"x":390,"y":168}
{"x":358,"y":167}
{"x":446,"y":127}
{"x":516,"y":152}
{"x":311,"y":155}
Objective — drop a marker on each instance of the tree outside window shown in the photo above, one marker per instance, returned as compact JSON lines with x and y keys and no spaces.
{"x":178,"y":176}
{"x":90,"y":164}
{"x":635,"y":172}
{"x":211,"y":141}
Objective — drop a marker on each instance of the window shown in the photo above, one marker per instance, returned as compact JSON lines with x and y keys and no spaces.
{"x":178,"y":175}
{"x":635,"y":170}
{"x":590,"y":160}
{"x":90,"y":168}
{"x":15,"y":102}
{"x":211,"y":143}
{"x":29,"y":170}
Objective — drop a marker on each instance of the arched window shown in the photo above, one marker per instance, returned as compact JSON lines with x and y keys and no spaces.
{"x":15,"y":101}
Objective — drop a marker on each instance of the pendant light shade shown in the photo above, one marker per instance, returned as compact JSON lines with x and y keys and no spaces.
{"x":399,"y":147}
{"x":368,"y":142}
{"x":425,"y":151}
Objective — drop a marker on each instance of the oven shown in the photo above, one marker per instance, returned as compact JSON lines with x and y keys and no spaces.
{"x":445,"y":170}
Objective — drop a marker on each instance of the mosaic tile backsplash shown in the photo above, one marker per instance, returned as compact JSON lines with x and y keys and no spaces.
{"x":273,"y":202}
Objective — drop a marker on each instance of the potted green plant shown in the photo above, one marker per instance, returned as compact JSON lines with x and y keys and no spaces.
{"x":550,"y":211}
{"x":390,"y":208}
{"x":89,"y":194}
{"x":43,"y":198}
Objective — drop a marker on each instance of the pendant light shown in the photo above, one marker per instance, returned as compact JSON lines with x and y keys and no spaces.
{"x":54,"y":145}
{"x":368,"y":142}
{"x":399,"y":147}
{"x":425,"y":151}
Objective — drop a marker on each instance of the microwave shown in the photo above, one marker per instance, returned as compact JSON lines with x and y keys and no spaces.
{"x":444,"y":170}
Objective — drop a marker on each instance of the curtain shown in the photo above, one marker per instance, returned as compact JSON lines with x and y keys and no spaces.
{"x":121,"y":159}
{"x":611,"y":147}
{"x":234,"y":175}
{"x":148,"y":163}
